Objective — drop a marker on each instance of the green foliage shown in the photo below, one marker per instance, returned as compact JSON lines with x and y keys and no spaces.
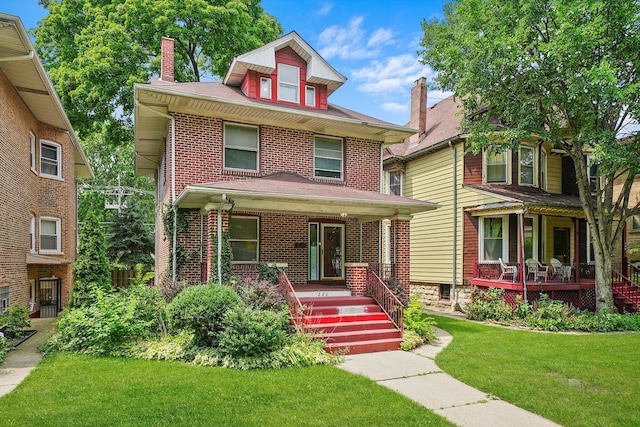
{"x":226,"y":260}
{"x":489,"y":305}
{"x":523,"y":309}
{"x":4,"y":348}
{"x":131,"y":241}
{"x":269,"y":272}
{"x":417,"y":320}
{"x":411,"y":340}
{"x":550,"y":315}
{"x":170,"y":288}
{"x":200,"y":310}
{"x":91,"y":270}
{"x":249,"y":332}
{"x":16,"y":318}
{"x":166,"y":348}
{"x":260,"y":294}
{"x":172,"y":217}
{"x":111,"y":324}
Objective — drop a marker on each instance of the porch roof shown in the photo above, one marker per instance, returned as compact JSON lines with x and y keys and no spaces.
{"x":533,"y":202}
{"x":287,"y":192}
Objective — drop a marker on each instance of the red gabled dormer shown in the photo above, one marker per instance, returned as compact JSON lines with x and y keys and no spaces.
{"x":286,"y":71}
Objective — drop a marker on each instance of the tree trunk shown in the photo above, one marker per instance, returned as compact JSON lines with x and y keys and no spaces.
{"x":604,"y":293}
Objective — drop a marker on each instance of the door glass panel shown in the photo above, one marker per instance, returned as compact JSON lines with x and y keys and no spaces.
{"x":313,"y":252}
{"x":333,"y":251}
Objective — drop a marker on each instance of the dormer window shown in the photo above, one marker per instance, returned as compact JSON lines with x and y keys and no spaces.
{"x":265,"y":87}
{"x":310,"y":96}
{"x":288,"y":83}
{"x":495,"y":167}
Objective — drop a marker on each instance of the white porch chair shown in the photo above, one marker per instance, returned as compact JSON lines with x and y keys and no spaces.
{"x":557,"y":269}
{"x":536,"y":269}
{"x":507,"y":270}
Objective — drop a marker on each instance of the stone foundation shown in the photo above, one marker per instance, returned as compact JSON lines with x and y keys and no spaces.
{"x":430,"y":296}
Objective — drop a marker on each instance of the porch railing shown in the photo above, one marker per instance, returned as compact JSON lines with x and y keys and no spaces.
{"x":385,"y":271}
{"x":295,"y":306}
{"x":634,"y":273}
{"x":387,"y":300}
{"x":491,"y":271}
{"x":627,"y":287}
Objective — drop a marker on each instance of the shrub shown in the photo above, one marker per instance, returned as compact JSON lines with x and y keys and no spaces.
{"x":170,"y":288}
{"x":4,"y":348}
{"x":411,"y":340}
{"x":269,"y":273}
{"x":489,"y":305}
{"x":260,"y":294}
{"x":418,"y":321}
{"x":166,"y":348}
{"x":111,"y":324}
{"x":16,"y":318}
{"x":200,"y":310}
{"x":550,"y":315}
{"x":252,"y":333}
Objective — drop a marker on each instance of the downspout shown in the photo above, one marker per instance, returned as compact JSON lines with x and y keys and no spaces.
{"x":219,"y":244}
{"x":521,"y":269}
{"x":173,"y":182}
{"x":454,"y":298}
{"x":380,"y":224}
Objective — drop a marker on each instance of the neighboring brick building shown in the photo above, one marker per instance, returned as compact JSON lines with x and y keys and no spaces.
{"x":40,"y":159}
{"x":298,"y":173}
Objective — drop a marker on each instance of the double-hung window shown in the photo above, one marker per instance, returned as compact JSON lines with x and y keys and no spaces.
{"x":496,"y":167}
{"x":493,"y":238}
{"x":327,"y":161}
{"x":288,"y":83}
{"x":527,"y":165}
{"x":543,"y":169}
{"x":50,"y":159}
{"x":243,"y":238}
{"x":310,"y":96}
{"x":394,"y":182}
{"x":265,"y":87}
{"x":241,"y":147}
{"x":50,"y":235}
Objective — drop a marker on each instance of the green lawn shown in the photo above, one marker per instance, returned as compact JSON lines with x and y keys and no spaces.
{"x":573,"y":379}
{"x":77,"y":390}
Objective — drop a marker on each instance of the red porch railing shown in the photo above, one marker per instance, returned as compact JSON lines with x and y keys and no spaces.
{"x":385,"y":298}
{"x":295,"y":306}
{"x":627,"y":287}
{"x":491,"y":271}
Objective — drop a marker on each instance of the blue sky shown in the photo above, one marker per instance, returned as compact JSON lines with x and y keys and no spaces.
{"x":372,"y":42}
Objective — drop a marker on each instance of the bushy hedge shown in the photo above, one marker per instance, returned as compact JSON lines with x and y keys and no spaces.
{"x":4,"y":348}
{"x":261,"y":294}
{"x":489,"y":305}
{"x":418,"y":325}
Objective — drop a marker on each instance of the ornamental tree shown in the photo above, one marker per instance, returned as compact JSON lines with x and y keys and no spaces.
{"x":563,"y":71}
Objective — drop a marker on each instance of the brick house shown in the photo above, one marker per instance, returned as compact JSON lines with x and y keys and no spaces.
{"x":520,"y":206}
{"x":40,"y":160}
{"x":298,"y":173}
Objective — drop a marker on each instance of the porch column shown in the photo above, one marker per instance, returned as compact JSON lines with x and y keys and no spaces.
{"x":356,"y":277}
{"x":402,"y":234}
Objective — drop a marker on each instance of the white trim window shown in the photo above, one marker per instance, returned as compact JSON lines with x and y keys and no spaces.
{"x":310,"y":96}
{"x":635,"y":223}
{"x":265,"y":87}
{"x":288,"y":83}
{"x":530,"y":237}
{"x":493,"y":238}
{"x":591,"y":256}
{"x":243,"y":238}
{"x":327,"y":157}
{"x":32,"y":151}
{"x":543,"y":169}
{"x":32,"y":234}
{"x":527,"y":165}
{"x":50,"y":159}
{"x":592,"y":172}
{"x":241,"y":147}
{"x":5,"y":298}
{"x":50,"y":238}
{"x":394,"y":182}
{"x":496,"y":170}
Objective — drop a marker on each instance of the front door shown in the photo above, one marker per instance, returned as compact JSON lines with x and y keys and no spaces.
{"x":326,"y":251}
{"x":562,"y":244}
{"x":49,"y":297}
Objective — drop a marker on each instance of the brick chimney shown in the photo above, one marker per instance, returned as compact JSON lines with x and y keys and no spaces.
{"x":166,"y":59}
{"x":419,"y":107}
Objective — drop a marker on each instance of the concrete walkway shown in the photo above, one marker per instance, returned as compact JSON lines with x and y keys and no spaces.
{"x":415,"y":375}
{"x":21,"y":360}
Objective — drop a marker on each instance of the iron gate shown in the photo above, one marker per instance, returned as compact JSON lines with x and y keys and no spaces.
{"x":50,"y":290}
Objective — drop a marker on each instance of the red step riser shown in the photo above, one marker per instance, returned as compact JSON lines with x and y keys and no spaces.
{"x":332,"y":310}
{"x":350,"y":326}
{"x":362,"y":336}
{"x":318,"y":320}
{"x":336,"y":301}
{"x":360,"y":348}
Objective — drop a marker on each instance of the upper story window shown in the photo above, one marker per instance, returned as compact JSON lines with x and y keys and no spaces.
{"x":543,"y":169}
{"x":50,"y":235}
{"x":394,"y":182}
{"x":592,"y":172}
{"x":288,"y":83}
{"x":243,"y":238}
{"x":635,"y":223}
{"x":493,"y":244}
{"x":241,"y":147}
{"x":32,"y":233}
{"x":327,"y":161}
{"x":32,"y":151}
{"x":527,"y":165}
{"x":310,"y":96}
{"x":50,"y":159}
{"x":265,"y":87}
{"x":495,"y":167}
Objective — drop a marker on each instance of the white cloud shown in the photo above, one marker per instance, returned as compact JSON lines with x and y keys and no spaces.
{"x":349,"y":42}
{"x":394,"y":107}
{"x":380,"y":37}
{"x":391,"y":75}
{"x":324,"y":9}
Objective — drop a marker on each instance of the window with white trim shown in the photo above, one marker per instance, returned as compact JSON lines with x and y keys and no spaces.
{"x":591,"y":257}
{"x":530,"y":237}
{"x":32,"y":151}
{"x":394,"y":182}
{"x":543,"y":169}
{"x":527,"y":165}
{"x":635,"y":223}
{"x":5,"y":294}
{"x":265,"y":87}
{"x":32,"y":233}
{"x":310,"y":96}
{"x":241,"y":147}
{"x":288,"y":83}
{"x":50,"y":159}
{"x":495,"y":167}
{"x":243,"y":238}
{"x":493,"y":242}
{"x":50,"y":235}
{"x":592,"y":172}
{"x":327,"y":157}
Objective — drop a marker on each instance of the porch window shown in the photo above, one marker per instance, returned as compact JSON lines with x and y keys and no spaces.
{"x":243,"y":238}
{"x":50,"y":159}
{"x":241,"y":147}
{"x":492,"y":238}
{"x":288,"y":83}
{"x":50,"y":235}
{"x":327,"y":157}
{"x":394,"y":183}
{"x":5,"y":292}
{"x":265,"y":87}
{"x":527,"y":165}
{"x":495,"y":167}
{"x":543,"y":170}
